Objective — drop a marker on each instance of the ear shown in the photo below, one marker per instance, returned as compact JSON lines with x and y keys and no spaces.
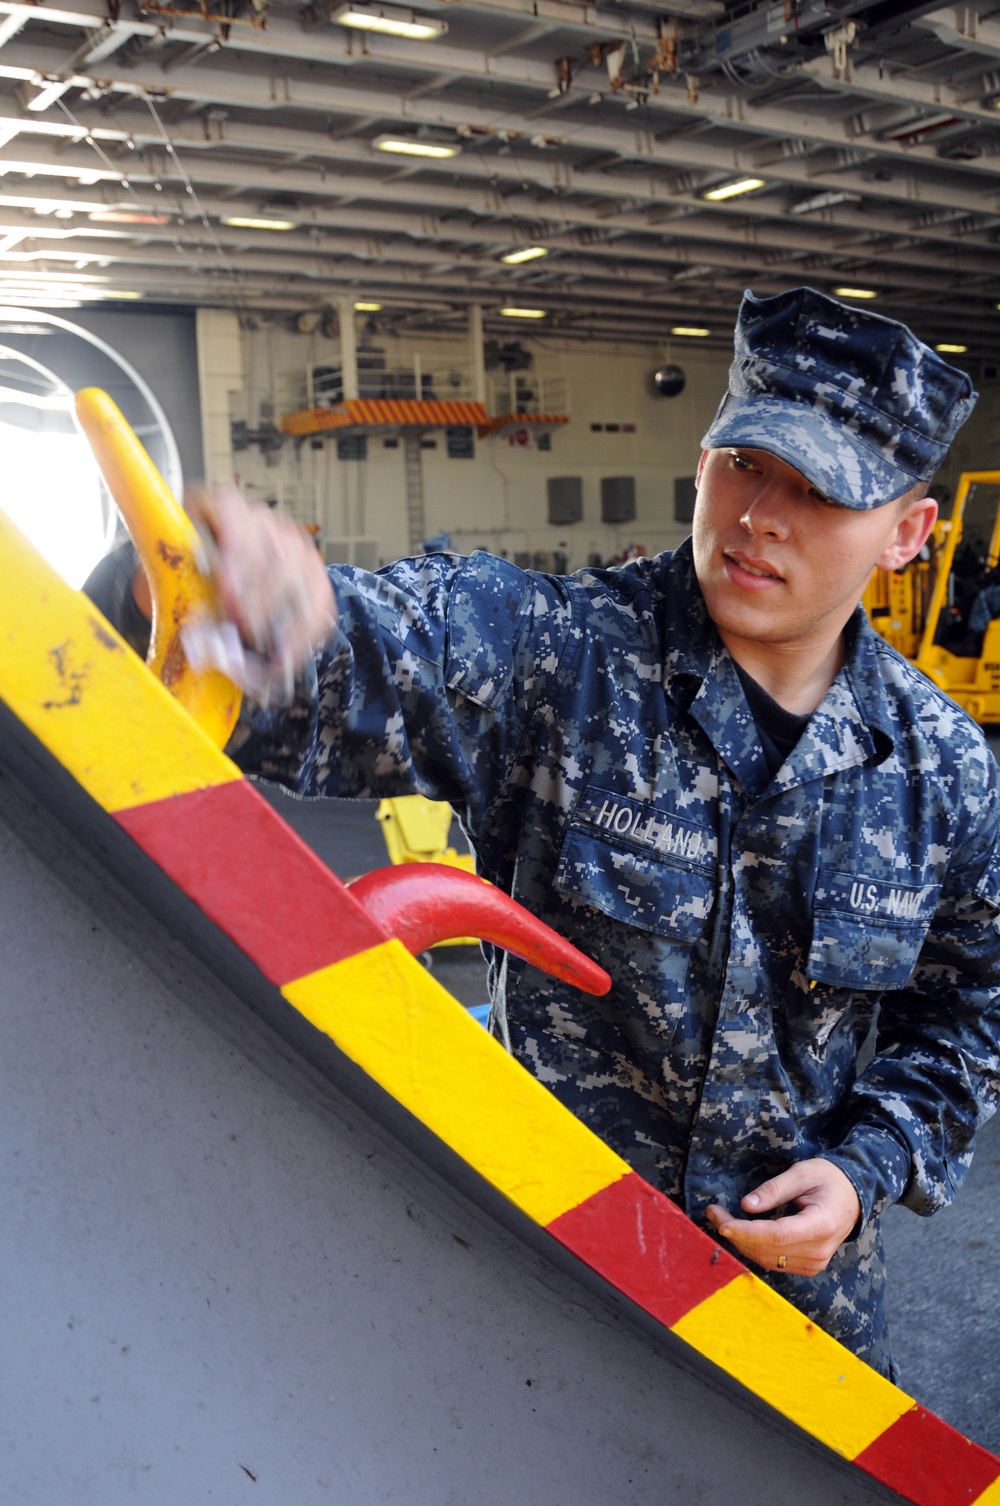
{"x":909,"y":534}
{"x":701,"y":466}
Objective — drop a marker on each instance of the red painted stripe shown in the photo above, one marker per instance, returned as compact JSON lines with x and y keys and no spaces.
{"x":636,"y":1238}
{"x":250,"y":873}
{"x":928,"y":1462}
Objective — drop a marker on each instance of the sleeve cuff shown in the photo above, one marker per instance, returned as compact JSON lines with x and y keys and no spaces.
{"x":878,"y":1166}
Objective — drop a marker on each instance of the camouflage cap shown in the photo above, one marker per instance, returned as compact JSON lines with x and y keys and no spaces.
{"x":854,"y":401}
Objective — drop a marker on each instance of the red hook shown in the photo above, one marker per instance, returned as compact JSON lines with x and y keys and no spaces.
{"x":424,"y":903}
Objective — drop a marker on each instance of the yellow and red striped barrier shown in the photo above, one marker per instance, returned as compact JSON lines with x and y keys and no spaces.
{"x":87,"y":698}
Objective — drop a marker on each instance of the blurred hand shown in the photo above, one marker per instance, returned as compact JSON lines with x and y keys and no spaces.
{"x":270,"y":581}
{"x":828,"y":1210}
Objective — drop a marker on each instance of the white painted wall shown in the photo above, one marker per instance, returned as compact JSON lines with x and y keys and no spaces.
{"x":498,"y":500}
{"x":221,"y":382}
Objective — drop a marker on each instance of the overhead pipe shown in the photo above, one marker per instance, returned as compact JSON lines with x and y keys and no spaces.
{"x":219,"y":88}
{"x":717,"y":106}
{"x":287,"y":40}
{"x":732,"y":271}
{"x":698,"y":232}
{"x":713,"y":226}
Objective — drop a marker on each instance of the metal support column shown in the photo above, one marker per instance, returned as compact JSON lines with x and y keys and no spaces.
{"x":348,"y":347}
{"x":415,"y":522}
{"x":477,"y":356}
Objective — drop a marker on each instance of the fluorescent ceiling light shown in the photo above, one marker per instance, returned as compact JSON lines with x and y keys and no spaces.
{"x":367,"y":308}
{"x":124,"y":217}
{"x":513,"y":313}
{"x":694,"y":330}
{"x":732,"y":190}
{"x":389,"y":21}
{"x":414,"y":147}
{"x":527,"y":253}
{"x":855,"y":292}
{"x":251,"y":222}
{"x":951,"y":350}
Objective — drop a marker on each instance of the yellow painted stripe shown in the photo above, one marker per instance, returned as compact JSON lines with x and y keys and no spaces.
{"x":766,"y":1344}
{"x":87,"y":697}
{"x":411,"y":1036}
{"x":990,"y":1496}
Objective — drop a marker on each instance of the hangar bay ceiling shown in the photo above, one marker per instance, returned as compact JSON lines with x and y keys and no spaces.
{"x":653,"y":160}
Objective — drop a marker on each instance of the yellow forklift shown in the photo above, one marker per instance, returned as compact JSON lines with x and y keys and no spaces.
{"x":943,"y":609}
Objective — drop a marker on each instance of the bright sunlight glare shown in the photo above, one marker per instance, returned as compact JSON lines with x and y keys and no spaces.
{"x":51,"y":490}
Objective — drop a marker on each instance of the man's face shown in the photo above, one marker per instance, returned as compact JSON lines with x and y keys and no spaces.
{"x":779,"y":564}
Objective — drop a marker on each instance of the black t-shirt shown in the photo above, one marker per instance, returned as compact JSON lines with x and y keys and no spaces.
{"x":779,"y":730}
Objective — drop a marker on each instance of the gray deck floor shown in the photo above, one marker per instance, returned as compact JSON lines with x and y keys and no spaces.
{"x":944,"y":1295}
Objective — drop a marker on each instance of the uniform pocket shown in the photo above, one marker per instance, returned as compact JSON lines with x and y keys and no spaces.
{"x":867,"y":932}
{"x":633,"y":888}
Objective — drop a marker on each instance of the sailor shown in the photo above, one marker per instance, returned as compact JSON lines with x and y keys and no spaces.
{"x":707,"y":770}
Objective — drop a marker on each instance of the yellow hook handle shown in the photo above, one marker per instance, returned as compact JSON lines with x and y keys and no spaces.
{"x":167,"y":545}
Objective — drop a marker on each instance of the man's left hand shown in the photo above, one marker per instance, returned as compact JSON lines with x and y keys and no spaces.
{"x":800,"y":1243}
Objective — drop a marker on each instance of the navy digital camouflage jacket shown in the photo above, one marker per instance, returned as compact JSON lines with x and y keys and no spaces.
{"x":594,"y":737}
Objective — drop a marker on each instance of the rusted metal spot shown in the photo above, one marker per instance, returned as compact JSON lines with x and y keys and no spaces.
{"x":174,"y":666}
{"x":73,"y":680}
{"x":104,"y":638}
{"x":174,"y":558}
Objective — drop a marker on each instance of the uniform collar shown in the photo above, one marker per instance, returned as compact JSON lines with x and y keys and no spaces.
{"x":852,"y":725}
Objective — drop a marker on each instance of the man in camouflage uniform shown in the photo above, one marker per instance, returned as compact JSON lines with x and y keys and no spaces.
{"x":711,"y":774}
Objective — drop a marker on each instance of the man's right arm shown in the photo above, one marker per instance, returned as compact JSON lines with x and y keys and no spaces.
{"x":427,"y":671}
{"x":428,"y":684}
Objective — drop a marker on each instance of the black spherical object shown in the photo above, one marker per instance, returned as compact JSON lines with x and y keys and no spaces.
{"x":669,"y":380}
